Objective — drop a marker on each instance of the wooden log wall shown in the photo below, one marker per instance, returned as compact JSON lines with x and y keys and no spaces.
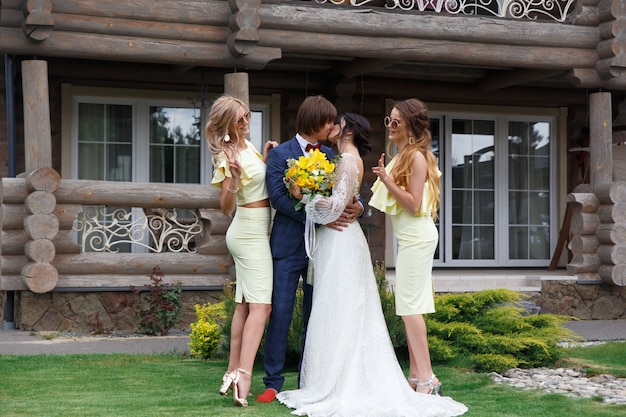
{"x":40,"y":227}
{"x":598,"y":230}
{"x":251,"y":33}
{"x":39,"y":253}
{"x":584,"y":243}
{"x":612,"y":233}
{"x":177,"y":33}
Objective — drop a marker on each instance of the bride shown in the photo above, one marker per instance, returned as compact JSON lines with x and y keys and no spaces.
{"x":349,"y":367}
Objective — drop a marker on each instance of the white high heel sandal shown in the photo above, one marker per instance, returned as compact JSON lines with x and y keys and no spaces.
{"x":434,"y":389}
{"x":240,"y":402}
{"x":227,"y":382}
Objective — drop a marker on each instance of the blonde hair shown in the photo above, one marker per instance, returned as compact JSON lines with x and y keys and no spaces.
{"x":414,"y":114}
{"x":222,"y":122}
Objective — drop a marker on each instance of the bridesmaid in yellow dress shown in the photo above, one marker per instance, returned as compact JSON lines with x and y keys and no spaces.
{"x":408,"y":190}
{"x":239,"y":170}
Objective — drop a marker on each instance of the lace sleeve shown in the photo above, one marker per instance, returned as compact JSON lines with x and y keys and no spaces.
{"x":323,"y":210}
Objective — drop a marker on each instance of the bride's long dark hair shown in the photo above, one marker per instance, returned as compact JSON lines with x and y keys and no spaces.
{"x":361,"y":129}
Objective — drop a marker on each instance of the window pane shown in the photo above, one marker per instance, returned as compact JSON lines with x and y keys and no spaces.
{"x":529,"y":185}
{"x":473,"y":192}
{"x":174,"y":145}
{"x":90,"y":161}
{"x":539,"y":242}
{"x":90,"y":122}
{"x":120,"y":162}
{"x":483,"y":207}
{"x":539,"y":204}
{"x":119,"y":123}
{"x":188,"y":165}
{"x":518,"y":246}
{"x":518,"y":165}
{"x":518,"y":207}
{"x":484,"y":243}
{"x":104,"y":142}
{"x":161,"y":163}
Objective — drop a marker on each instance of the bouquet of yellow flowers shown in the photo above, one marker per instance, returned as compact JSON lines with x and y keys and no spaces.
{"x":314,"y":174}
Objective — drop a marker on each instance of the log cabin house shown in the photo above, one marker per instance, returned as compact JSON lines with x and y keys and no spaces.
{"x":107,"y":174}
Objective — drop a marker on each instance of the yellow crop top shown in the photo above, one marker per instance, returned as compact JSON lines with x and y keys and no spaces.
{"x":384,"y":201}
{"x":252,"y":186}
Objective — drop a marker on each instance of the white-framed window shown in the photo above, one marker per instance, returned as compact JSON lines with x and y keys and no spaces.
{"x":134,"y":135}
{"x":498,"y":190}
{"x":499,"y":193}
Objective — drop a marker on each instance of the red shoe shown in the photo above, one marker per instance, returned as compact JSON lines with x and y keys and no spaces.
{"x":268,"y":396}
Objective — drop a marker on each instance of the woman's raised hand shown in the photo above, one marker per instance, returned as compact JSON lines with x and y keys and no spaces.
{"x":233,"y":162}
{"x":379,"y":169}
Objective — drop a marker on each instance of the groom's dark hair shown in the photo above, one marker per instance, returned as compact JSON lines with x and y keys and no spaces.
{"x":313,"y":114}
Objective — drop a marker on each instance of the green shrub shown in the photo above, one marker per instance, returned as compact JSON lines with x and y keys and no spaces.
{"x":494,"y":362}
{"x":492,"y":330}
{"x":210,"y":333}
{"x":205,"y":332}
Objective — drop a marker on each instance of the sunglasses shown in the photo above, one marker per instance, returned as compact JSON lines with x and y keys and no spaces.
{"x":394,"y":123}
{"x":245,"y":119}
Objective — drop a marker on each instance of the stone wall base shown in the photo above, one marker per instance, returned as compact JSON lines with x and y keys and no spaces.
{"x":91,"y":311}
{"x":112,"y":311}
{"x":583,"y":301}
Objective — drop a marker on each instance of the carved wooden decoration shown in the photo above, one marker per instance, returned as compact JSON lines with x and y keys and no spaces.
{"x":38,"y":22}
{"x":243,"y":23}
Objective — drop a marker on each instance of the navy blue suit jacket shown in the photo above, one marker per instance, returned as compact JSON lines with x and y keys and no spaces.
{"x":288,"y":229}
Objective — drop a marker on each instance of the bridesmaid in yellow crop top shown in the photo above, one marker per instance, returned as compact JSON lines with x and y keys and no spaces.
{"x":239,"y":170}
{"x":408,"y":190}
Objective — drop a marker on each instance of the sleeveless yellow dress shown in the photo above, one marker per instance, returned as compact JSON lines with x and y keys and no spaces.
{"x":417,"y":241}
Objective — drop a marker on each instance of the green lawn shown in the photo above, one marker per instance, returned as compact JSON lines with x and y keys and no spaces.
{"x":173,"y":385}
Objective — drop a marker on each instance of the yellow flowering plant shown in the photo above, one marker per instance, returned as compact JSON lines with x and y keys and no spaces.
{"x":314,"y":174}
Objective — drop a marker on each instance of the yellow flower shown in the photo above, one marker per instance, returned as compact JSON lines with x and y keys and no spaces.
{"x":313,"y":173}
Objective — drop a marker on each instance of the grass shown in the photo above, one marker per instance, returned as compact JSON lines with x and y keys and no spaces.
{"x":608,"y":358}
{"x":174,"y":385}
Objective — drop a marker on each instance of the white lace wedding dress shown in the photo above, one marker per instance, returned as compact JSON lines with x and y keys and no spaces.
{"x":349,"y":367}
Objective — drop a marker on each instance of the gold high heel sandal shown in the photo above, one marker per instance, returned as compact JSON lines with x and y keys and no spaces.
{"x":227,"y":382}
{"x":434,"y":389}
{"x":239,"y":402}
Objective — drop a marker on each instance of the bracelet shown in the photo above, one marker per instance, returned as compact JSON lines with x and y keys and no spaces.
{"x":233,"y":191}
{"x":384,"y":179}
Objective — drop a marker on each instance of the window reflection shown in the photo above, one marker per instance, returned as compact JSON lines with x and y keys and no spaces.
{"x":473,"y":193}
{"x":529,"y":190}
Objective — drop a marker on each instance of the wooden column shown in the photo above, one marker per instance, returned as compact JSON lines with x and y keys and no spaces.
{"x":601,"y":139}
{"x":37,"y":136}
{"x":237,"y":85}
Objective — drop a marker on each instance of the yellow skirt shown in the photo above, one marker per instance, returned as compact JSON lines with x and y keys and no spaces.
{"x":417,"y":241}
{"x":247,"y":240}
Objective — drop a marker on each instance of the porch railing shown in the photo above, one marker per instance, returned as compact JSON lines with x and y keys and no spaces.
{"x":515,"y":9}
{"x":42,"y":252}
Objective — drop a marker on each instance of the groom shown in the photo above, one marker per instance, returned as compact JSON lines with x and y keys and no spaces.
{"x":314,"y":122}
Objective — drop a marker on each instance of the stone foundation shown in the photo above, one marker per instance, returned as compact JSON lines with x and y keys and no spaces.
{"x":89,"y":311}
{"x":112,"y":311}
{"x":583,"y":301}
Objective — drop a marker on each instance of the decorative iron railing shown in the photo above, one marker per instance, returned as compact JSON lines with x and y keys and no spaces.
{"x":516,"y":9}
{"x":103,"y":229}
